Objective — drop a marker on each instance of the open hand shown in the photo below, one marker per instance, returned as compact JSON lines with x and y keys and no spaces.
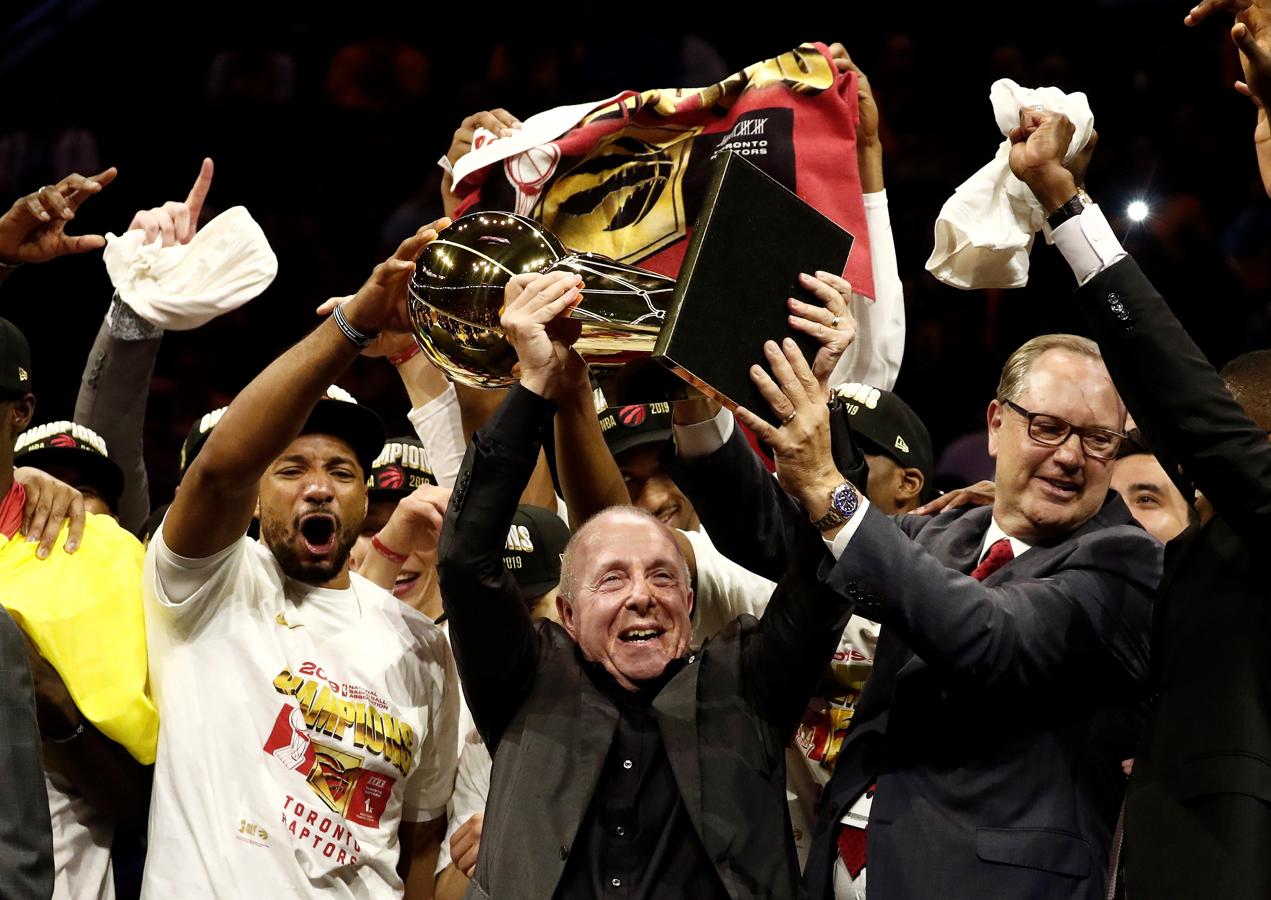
{"x":380,"y":303}
{"x":386,"y":343}
{"x":831,"y":324}
{"x":49,"y":503}
{"x":801,"y":445}
{"x":981,"y":493}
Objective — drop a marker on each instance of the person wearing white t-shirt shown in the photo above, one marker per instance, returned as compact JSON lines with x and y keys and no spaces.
{"x":310,"y":718}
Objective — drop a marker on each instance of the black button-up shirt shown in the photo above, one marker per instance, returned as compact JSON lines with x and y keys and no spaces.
{"x":636,"y":839}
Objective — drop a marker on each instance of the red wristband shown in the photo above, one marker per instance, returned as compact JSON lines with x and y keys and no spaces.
{"x":390,"y":555}
{"x":407,"y":354}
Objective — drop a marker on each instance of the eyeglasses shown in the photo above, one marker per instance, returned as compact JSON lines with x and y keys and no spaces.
{"x":1053,"y":431}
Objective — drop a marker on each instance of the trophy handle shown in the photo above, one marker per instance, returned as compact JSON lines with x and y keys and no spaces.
{"x":617,"y":295}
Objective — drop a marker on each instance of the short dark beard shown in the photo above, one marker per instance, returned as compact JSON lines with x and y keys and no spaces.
{"x":276,"y":538}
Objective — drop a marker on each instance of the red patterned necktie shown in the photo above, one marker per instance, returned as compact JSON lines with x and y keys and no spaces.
{"x":852,"y":843}
{"x":999,"y":555}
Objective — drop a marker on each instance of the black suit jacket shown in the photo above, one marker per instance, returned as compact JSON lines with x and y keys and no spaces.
{"x":26,"y":834}
{"x":996,"y":714}
{"x":1198,"y":814}
{"x":725,"y":718}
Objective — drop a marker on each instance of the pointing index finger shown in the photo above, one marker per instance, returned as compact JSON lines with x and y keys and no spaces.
{"x":198,"y":193}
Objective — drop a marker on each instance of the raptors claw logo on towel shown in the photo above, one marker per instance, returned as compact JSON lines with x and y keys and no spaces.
{"x":634,"y":171}
{"x":628,"y":180}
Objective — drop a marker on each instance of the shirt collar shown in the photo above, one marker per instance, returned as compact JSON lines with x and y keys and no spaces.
{"x":995,"y":534}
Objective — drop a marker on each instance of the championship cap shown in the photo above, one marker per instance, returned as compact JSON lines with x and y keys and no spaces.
{"x":533,"y":550}
{"x":401,"y":467}
{"x":884,"y":424}
{"x":197,"y":437}
{"x":15,"y":361}
{"x":337,"y":414}
{"x":72,"y":446}
{"x":630,"y":426}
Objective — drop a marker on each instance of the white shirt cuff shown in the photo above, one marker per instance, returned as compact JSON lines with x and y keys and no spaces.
{"x":839,"y":544}
{"x":703,"y":438}
{"x":1087,"y":242}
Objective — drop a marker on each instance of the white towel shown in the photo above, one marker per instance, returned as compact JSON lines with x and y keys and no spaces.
{"x":985,"y":230}
{"x":181,"y":287}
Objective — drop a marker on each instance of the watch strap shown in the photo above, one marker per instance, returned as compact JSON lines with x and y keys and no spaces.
{"x":1069,"y":209}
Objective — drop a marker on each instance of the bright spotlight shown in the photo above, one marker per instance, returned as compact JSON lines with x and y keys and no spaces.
{"x":1137,"y":211}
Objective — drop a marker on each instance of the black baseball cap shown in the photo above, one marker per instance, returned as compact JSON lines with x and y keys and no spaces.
{"x":636,"y":424}
{"x":15,"y":361}
{"x":197,"y":437}
{"x":885,"y":424}
{"x":402,"y":466}
{"x":73,"y":446}
{"x":339,"y":415}
{"x":336,"y":414}
{"x":533,"y":550}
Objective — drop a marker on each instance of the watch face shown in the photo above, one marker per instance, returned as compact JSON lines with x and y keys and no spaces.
{"x":845,"y":500}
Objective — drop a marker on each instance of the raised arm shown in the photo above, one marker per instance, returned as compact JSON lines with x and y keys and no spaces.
{"x":718,"y":471}
{"x":1175,"y":396}
{"x":116,"y":382}
{"x":1088,"y":620}
{"x":1251,"y":34}
{"x":875,"y":356}
{"x":218,"y":493}
{"x":495,"y":645}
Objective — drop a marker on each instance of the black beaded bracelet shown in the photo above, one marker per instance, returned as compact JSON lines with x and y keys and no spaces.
{"x":355,"y":337}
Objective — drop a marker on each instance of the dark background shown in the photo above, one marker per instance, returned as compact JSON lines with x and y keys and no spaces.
{"x":326,"y":122}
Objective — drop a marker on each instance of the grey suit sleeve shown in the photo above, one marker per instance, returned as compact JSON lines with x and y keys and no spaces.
{"x":1089,"y":616}
{"x":112,"y":401}
{"x":26,"y":835}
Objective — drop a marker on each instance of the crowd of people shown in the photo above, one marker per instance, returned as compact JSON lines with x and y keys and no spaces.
{"x":552,"y":644}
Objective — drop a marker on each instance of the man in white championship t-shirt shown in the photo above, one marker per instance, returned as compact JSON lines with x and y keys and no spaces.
{"x":309,"y":719}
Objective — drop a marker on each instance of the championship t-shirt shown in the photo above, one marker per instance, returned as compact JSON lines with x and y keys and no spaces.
{"x":301,"y":727}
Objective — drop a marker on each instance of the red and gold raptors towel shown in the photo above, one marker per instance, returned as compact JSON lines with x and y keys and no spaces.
{"x":628,"y":180}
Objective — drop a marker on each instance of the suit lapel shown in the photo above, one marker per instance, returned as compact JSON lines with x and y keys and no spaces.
{"x":676,"y":711}
{"x":597,"y":720}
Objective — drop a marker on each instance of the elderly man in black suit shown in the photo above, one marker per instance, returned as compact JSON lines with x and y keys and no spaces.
{"x":1198,"y":813}
{"x":983,"y":759}
{"x":625,"y":761}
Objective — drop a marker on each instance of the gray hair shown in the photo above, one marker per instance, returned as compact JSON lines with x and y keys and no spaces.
{"x":569,"y":559}
{"x":1018,"y":364}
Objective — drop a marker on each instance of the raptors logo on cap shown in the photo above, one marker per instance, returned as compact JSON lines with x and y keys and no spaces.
{"x":632,"y":416}
{"x":62,"y":440}
{"x":391,"y":478}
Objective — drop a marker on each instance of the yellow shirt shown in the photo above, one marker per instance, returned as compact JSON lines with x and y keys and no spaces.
{"x":83,"y":612}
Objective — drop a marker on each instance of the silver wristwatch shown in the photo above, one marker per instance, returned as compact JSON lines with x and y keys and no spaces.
{"x":843,"y":505}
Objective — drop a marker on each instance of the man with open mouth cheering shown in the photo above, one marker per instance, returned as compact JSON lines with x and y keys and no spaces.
{"x":309,"y":733}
